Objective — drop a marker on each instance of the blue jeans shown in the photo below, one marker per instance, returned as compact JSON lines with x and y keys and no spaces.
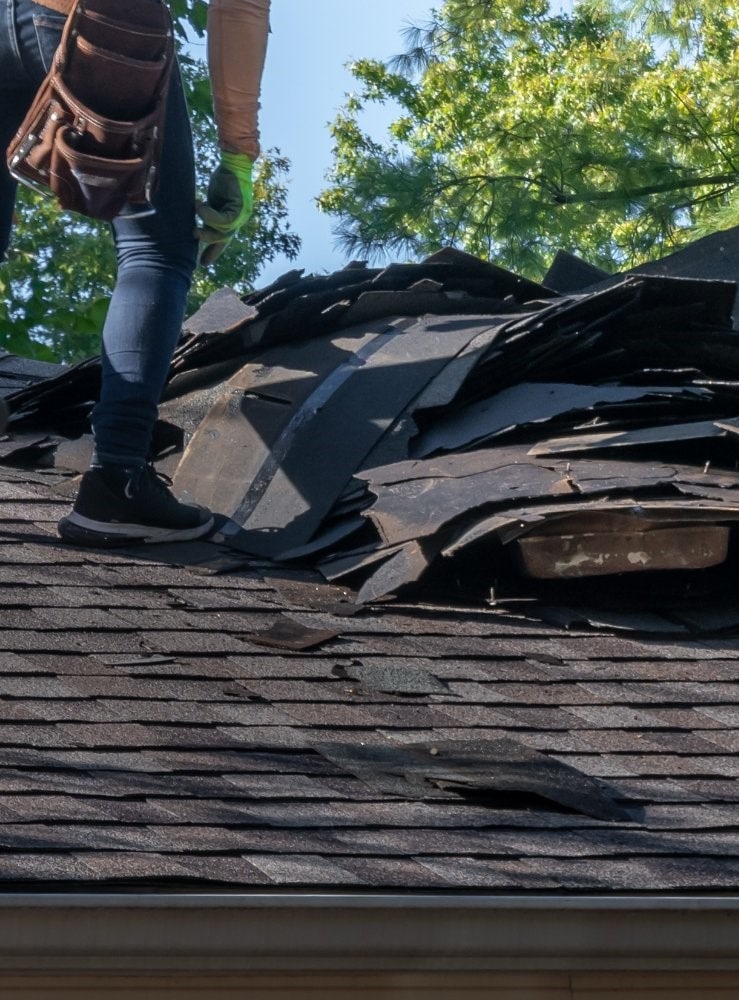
{"x":156,"y":254}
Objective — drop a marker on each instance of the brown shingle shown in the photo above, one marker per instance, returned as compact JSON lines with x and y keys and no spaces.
{"x":142,"y":739}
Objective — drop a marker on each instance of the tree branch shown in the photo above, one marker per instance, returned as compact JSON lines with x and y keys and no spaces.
{"x":726,"y":181}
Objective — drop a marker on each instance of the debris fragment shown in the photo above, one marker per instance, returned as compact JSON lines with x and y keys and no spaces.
{"x":488,"y":771}
{"x":379,"y":424}
{"x":289,"y":634}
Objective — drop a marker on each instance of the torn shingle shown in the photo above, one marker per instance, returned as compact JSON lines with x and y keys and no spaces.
{"x":149,"y":738}
{"x":482,"y":770}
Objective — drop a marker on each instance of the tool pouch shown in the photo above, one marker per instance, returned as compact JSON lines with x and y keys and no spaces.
{"x":92,"y":137}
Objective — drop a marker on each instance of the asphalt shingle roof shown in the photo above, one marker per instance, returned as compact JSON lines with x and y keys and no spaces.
{"x":183,"y":715}
{"x":152,"y":734}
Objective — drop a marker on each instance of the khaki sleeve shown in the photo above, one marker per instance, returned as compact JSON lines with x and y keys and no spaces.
{"x":237,"y":45}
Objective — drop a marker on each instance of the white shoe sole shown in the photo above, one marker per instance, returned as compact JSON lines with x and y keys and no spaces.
{"x":86,"y":531}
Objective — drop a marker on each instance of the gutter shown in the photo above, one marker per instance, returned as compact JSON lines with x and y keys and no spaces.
{"x":335,"y":932}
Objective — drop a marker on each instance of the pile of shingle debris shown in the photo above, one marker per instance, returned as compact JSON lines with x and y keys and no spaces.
{"x":449,"y":424}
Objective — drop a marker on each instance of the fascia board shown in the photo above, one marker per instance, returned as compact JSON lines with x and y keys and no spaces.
{"x":339,"y":932}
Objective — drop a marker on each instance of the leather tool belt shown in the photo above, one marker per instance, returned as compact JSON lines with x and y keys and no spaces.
{"x":92,"y":137}
{"x":60,"y":6}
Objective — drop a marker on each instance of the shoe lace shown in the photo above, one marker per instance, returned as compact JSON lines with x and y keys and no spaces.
{"x":159,"y":480}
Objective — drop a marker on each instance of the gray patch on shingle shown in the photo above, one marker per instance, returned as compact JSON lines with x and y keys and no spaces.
{"x":475,"y":873}
{"x":226,"y":870}
{"x":392,"y":678}
{"x":303,"y":869}
{"x":30,"y":867}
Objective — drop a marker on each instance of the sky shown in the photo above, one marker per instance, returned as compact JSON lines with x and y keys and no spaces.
{"x":304,"y":83}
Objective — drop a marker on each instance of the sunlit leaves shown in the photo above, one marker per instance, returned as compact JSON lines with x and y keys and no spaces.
{"x":612,"y":132}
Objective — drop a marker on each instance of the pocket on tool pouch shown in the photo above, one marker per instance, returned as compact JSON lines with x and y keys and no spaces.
{"x":75,"y":170}
{"x":95,"y":77}
{"x":107,"y":33}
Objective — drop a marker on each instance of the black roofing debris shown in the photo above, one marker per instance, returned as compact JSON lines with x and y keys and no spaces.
{"x":288,"y":634}
{"x":450,"y":424}
{"x":500,"y":772}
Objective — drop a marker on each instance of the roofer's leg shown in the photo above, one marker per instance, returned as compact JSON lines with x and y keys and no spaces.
{"x":122,"y":499}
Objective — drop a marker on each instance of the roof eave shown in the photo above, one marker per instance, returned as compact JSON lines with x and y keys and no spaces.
{"x":364,"y":932}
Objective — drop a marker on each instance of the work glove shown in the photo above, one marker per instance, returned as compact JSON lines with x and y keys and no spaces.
{"x":228,"y":206}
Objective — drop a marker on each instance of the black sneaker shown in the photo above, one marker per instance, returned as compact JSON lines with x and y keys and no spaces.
{"x":118,"y":505}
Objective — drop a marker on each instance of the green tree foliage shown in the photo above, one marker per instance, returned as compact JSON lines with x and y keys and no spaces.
{"x":61,"y":267}
{"x":604,"y":128}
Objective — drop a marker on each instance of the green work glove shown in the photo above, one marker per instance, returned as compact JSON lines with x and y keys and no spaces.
{"x":228,"y":207}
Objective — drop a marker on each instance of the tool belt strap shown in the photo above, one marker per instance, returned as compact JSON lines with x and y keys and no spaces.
{"x":60,"y":6}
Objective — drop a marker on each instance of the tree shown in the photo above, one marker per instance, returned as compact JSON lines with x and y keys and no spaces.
{"x":61,"y":267}
{"x":611,"y":131}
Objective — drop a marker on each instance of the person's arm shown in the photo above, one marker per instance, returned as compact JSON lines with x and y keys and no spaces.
{"x":237,"y":45}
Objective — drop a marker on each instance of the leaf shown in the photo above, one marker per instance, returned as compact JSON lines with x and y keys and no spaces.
{"x":521,"y":130}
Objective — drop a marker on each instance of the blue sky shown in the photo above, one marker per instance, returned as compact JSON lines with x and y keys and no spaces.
{"x":304,"y":84}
